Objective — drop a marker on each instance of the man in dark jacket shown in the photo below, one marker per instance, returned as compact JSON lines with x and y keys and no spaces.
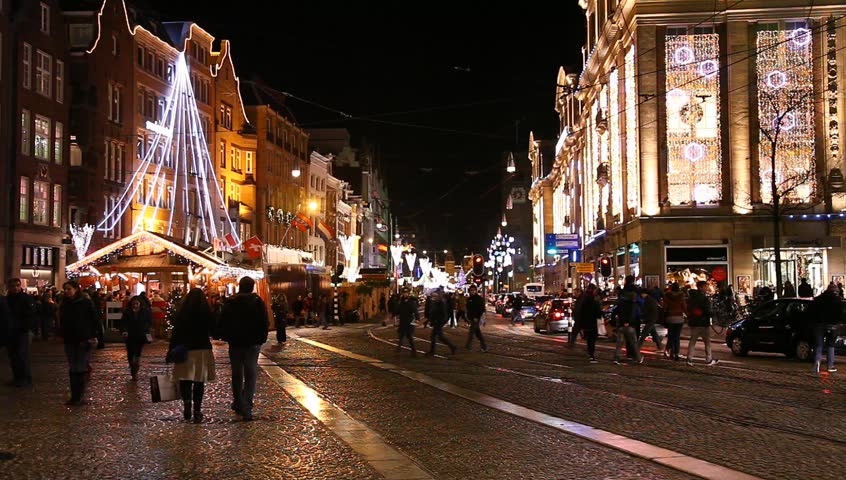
{"x":406,"y":308}
{"x":826,"y":313}
{"x":650,"y":313}
{"x":475,"y":312}
{"x":437,"y":312}
{"x":244,"y":325}
{"x":4,"y":321}
{"x":21,"y":320}
{"x":699,"y":320}
{"x":585,"y":316}
{"x":627,"y":321}
{"x":805,"y":289}
{"x":516,"y":307}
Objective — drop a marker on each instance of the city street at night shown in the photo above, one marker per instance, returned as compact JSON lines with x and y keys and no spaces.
{"x":342,"y":403}
{"x":582,"y":239}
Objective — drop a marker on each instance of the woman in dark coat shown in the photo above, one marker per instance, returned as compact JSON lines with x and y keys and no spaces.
{"x":80,"y":325}
{"x":192,"y":327}
{"x":135,"y":326}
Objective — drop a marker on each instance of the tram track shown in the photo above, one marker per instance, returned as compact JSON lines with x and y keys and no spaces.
{"x":711,"y":413}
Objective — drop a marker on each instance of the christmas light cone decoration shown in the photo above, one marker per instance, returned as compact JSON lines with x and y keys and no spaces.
{"x":176,"y":163}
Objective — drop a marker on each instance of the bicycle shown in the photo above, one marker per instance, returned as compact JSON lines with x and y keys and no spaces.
{"x":723,"y":313}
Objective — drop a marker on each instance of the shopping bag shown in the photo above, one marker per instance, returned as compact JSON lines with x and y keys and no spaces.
{"x":600,"y":326}
{"x":164,"y":388}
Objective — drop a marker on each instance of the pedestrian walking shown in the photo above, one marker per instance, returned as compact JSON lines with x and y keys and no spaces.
{"x":676,"y":309}
{"x":80,"y":323}
{"x":516,"y":307}
{"x":576,"y":315}
{"x":825,"y":313}
{"x":587,"y":314}
{"x":461,"y":307}
{"x":136,"y":323}
{"x":805,"y":289}
{"x":437,"y":312}
{"x":475,"y":312}
{"x":244,"y":326}
{"x":627,"y":321}
{"x":47,"y":311}
{"x":699,"y":321}
{"x":788,"y":290}
{"x":323,"y":311}
{"x":21,"y":321}
{"x":193,"y":324}
{"x":280,"y":316}
{"x":298,"y":309}
{"x":406,"y":308}
{"x":650,"y":313}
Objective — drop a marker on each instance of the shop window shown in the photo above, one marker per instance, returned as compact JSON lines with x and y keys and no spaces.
{"x":40,"y":202}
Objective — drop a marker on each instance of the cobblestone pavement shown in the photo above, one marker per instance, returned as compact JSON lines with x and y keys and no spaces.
{"x":120,"y":434}
{"x":771,"y":418}
{"x":452,"y":437}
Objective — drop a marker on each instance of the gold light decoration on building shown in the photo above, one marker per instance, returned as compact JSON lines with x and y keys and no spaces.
{"x":693,"y":119}
{"x":786,"y":106}
{"x":616,"y":157}
{"x":632,"y":161}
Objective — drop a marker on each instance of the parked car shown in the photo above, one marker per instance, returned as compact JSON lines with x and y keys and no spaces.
{"x":554,"y":315}
{"x":781,"y":326}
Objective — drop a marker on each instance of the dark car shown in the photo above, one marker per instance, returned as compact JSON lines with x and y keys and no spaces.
{"x":780,"y":326}
{"x":554,"y":316}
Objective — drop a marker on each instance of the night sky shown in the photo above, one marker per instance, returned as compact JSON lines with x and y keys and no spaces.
{"x":443,"y":89}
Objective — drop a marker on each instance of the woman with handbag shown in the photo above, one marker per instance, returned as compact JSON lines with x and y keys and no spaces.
{"x":191,"y":351}
{"x":79,"y":325}
{"x":135,"y":329}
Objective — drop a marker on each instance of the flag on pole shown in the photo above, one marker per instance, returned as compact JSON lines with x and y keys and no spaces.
{"x":231,"y":240}
{"x":325,"y":231}
{"x":304,"y":218}
{"x":297,"y":222}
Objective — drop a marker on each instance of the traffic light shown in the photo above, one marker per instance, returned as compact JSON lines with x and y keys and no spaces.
{"x":478,"y":282}
{"x":478,"y":265}
{"x":336,"y":276}
{"x":605,"y":266}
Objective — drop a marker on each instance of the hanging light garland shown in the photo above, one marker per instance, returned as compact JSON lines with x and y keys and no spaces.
{"x":785,"y":106}
{"x":693,"y":119}
{"x":632,"y":161}
{"x":81,"y":236}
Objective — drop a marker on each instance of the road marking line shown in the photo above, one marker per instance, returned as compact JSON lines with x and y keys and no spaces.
{"x":385,"y":459}
{"x":666,"y":457}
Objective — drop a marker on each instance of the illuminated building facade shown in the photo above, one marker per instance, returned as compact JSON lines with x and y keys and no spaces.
{"x":669,"y":132}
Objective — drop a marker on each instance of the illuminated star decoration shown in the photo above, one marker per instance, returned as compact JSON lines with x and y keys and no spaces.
{"x":81,"y":238}
{"x":176,"y":163}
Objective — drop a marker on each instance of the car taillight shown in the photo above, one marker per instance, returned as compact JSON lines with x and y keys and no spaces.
{"x":557,"y":314}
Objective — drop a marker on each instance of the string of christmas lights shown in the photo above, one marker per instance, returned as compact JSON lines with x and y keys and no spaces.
{"x":785,"y":109}
{"x":693,"y":119}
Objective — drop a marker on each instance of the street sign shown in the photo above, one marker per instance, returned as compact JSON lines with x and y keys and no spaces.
{"x":582,"y":267}
{"x":562,"y":241}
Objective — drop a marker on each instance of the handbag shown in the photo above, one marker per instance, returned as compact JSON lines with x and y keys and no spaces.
{"x":164,"y":388}
{"x":177,"y":354}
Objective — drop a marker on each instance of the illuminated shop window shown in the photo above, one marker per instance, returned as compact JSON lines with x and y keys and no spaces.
{"x":786,"y":113}
{"x":693,"y":119}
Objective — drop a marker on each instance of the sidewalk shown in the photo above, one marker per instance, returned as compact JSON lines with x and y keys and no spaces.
{"x":122,"y":434}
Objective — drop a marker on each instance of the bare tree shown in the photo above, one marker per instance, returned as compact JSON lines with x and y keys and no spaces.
{"x":785,"y":104}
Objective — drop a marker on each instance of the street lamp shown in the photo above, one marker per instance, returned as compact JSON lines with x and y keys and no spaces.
{"x":312,"y":205}
{"x":296,"y":171}
{"x":504,"y":222}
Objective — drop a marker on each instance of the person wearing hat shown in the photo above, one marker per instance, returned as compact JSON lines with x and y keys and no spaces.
{"x":475,"y":311}
{"x":406,"y":309}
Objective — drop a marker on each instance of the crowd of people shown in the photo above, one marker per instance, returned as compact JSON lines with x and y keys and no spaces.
{"x":76,"y":316}
{"x":440,"y":309}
